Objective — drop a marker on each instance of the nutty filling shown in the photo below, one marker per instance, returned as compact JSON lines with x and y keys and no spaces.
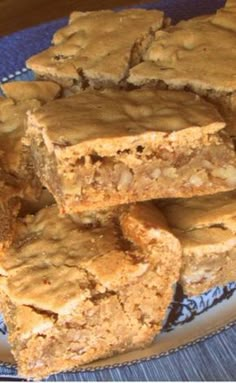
{"x":137,"y":170}
{"x":76,"y":336}
{"x":203,"y":269}
{"x":211,"y":270}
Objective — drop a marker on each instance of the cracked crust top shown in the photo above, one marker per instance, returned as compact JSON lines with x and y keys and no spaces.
{"x":56,"y":264}
{"x":199,"y":53}
{"x":204,"y":223}
{"x":99,"y":121}
{"x":199,"y":212}
{"x":98,"y":45}
{"x":21,"y":97}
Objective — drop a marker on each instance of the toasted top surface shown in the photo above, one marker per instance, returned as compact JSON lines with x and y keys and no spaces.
{"x":99,"y":43}
{"x":113,"y":114}
{"x":225,"y":17}
{"x":55,"y":262}
{"x":206,"y":241}
{"x":42,"y":91}
{"x":199,"y":52}
{"x":21,"y":97}
{"x":203,"y":223}
{"x":199,"y":212}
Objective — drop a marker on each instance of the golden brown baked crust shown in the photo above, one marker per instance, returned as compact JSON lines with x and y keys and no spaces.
{"x":43,"y":91}
{"x":97,"y":48}
{"x":77,"y":282}
{"x":195,"y":54}
{"x":115,"y":147}
{"x":187,"y":54}
{"x":95,"y":119}
{"x":206,"y":228}
{"x":14,"y":156}
{"x":225,"y":17}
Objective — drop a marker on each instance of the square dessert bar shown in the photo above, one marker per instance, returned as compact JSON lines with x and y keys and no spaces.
{"x":97,"y":149}
{"x":97,"y":49}
{"x":74,"y":291}
{"x":206,"y":228}
{"x":14,"y":155}
{"x":198,"y":54}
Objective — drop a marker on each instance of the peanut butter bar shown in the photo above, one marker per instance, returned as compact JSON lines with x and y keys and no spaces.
{"x":77,"y":290}
{"x":97,"y":48}
{"x":14,"y":155}
{"x":99,"y":149}
{"x":198,"y":54}
{"x":206,"y":228}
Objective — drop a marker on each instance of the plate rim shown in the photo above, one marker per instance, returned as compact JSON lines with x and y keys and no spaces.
{"x":171,"y":351}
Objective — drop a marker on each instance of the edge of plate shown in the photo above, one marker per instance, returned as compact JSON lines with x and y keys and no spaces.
{"x":138,"y":360}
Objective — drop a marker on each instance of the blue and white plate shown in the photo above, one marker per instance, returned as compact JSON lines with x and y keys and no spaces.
{"x":189,"y":320}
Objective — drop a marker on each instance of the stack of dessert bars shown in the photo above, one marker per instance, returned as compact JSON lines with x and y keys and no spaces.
{"x":118,"y":172}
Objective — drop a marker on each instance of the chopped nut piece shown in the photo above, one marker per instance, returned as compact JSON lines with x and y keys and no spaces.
{"x":196,"y":180}
{"x":125,"y":179}
{"x":156,"y":173}
{"x":227,"y":173}
{"x":169,"y":172}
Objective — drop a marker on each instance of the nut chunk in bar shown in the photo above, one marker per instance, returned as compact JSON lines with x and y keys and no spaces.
{"x":97,"y":48}
{"x":199,"y":54}
{"x":97,"y":149}
{"x":15,"y":160}
{"x":69,"y":294}
{"x":206,"y":228}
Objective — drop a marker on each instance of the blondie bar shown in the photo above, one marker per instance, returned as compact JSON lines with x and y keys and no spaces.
{"x":206,"y":228}
{"x":97,"y":149}
{"x":14,"y":155}
{"x":198,"y":54}
{"x":97,"y":48}
{"x":77,"y":290}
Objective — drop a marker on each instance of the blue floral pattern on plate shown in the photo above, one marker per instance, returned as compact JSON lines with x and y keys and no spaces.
{"x":183,"y":309}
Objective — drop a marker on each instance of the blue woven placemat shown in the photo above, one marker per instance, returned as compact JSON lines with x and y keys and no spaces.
{"x":209,"y":359}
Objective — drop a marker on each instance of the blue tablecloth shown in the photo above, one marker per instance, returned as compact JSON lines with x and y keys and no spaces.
{"x":209,"y":359}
